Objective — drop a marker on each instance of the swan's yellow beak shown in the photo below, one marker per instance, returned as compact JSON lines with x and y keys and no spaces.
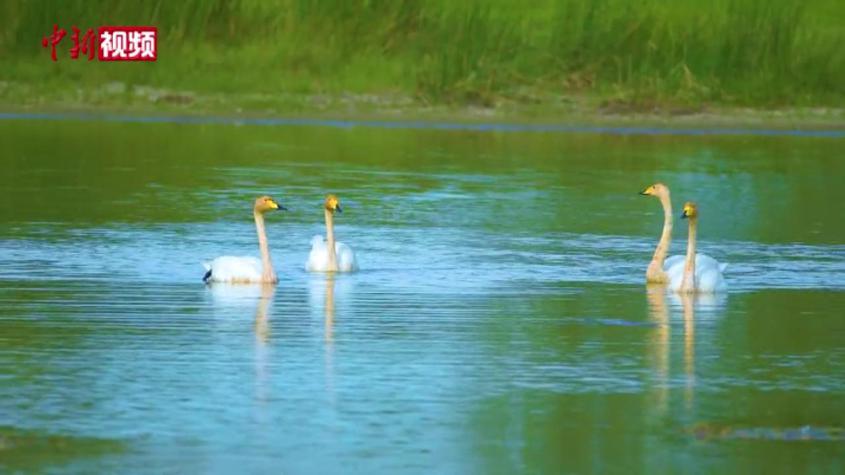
{"x":648,"y":191}
{"x":690,"y":210}
{"x":275,"y":205}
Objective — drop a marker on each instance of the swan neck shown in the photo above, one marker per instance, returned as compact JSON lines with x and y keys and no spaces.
{"x":267,"y":273}
{"x":330,"y":243}
{"x":666,"y":236}
{"x":688,"y":284}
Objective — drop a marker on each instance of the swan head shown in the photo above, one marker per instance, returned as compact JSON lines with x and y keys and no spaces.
{"x":690,"y":210}
{"x":658,"y":189}
{"x":264,"y":204}
{"x":333,"y":204}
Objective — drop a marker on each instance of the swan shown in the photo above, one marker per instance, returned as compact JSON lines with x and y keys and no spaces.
{"x":247,"y":269}
{"x":328,"y":255}
{"x":697,"y":272}
{"x":658,"y":271}
{"x":655,"y":273}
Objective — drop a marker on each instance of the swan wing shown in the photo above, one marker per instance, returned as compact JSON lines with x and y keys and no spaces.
{"x":674,"y":268}
{"x":708,"y":274}
{"x":345,"y":258}
{"x":710,"y":280}
{"x":672,"y":262}
{"x":233,"y":269}
{"x":705,"y":261}
{"x":701,"y":261}
{"x":318,"y":258}
{"x":318,"y":241}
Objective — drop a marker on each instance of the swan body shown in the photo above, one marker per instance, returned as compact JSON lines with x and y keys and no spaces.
{"x":233,"y":269}
{"x":701,"y":260}
{"x":318,"y":258}
{"x":329,"y":255}
{"x":245,"y":269}
{"x":708,"y":273}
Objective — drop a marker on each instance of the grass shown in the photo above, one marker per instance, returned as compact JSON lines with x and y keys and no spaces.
{"x":623,"y":54}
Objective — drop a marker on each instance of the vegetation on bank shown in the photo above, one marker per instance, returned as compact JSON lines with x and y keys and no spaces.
{"x":628,"y":55}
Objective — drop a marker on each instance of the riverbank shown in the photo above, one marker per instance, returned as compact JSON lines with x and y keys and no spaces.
{"x":583,"y":58}
{"x":118,"y":98}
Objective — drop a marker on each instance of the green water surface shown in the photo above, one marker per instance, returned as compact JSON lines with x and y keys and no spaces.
{"x":499,"y":322}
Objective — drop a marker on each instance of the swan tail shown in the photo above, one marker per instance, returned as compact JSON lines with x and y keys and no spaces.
{"x":207,"y":266}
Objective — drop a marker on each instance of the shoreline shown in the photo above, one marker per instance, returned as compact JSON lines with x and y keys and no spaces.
{"x":474,"y":126}
{"x":115,"y":102}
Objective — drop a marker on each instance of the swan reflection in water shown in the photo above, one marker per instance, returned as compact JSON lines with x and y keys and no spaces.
{"x":328,"y":310}
{"x":689,"y":344}
{"x":322,"y":303}
{"x":321,"y":297}
{"x":262,"y":348}
{"x":233,"y":304}
{"x":262,"y":321}
{"x":659,"y":342}
{"x":708,"y":307}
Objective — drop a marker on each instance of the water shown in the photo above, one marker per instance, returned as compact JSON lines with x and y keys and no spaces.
{"x":499,"y":323}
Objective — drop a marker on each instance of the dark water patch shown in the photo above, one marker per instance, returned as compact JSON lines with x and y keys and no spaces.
{"x":25,"y":450}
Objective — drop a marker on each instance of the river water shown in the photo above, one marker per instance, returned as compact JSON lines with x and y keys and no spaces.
{"x":499,"y":322}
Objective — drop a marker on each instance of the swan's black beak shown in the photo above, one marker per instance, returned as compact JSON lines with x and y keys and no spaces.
{"x":338,"y":209}
{"x":278,"y":206}
{"x":643,"y":193}
{"x":684,"y":214}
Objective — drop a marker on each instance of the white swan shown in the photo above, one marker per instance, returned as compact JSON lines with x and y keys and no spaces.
{"x":666,"y":271}
{"x":697,"y":272}
{"x":247,"y":269}
{"x":655,"y":273}
{"x":328,"y":255}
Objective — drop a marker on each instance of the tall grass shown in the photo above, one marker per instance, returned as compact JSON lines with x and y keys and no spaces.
{"x":757,"y":52}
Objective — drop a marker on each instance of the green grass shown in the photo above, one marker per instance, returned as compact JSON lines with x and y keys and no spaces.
{"x":636,"y":54}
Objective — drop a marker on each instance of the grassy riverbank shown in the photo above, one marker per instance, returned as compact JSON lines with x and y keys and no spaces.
{"x":615,"y":57}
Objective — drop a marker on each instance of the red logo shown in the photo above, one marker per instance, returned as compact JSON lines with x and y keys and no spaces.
{"x":112,"y":43}
{"x":53,"y":40}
